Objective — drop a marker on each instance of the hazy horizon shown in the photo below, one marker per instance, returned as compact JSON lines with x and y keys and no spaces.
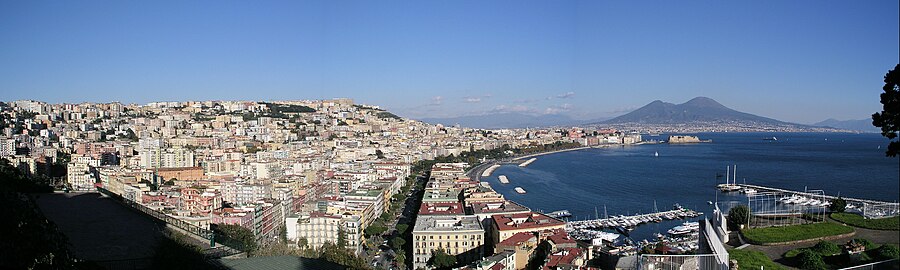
{"x":585,"y":60}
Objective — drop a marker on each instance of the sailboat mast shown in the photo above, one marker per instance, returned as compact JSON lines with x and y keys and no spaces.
{"x":734,"y":175}
{"x":727,"y":174}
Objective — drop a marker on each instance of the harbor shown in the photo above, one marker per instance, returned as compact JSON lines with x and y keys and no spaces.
{"x":625,"y":223}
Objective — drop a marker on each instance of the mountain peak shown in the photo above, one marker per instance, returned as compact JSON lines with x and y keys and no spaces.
{"x":696,"y":110}
{"x":704,"y":102}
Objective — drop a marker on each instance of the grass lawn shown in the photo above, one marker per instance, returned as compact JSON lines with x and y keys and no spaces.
{"x":887,"y":224}
{"x":794,"y":232}
{"x":749,"y":259}
{"x":838,"y":260}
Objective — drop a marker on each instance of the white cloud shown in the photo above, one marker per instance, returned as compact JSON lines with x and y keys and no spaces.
{"x":436,"y":101}
{"x":565,"y":107}
{"x":513,"y":108}
{"x":566,"y":95}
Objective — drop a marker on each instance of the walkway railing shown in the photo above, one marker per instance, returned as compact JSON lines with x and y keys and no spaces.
{"x":889,"y":264}
{"x":679,"y":262}
{"x":229,"y":246}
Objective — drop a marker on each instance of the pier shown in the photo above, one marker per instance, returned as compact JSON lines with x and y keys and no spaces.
{"x":801,"y":193}
{"x":490,"y":170}
{"x":631,"y":221}
{"x":526,"y":163}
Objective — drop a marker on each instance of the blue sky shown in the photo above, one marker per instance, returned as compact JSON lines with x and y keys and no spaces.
{"x":800,"y":61}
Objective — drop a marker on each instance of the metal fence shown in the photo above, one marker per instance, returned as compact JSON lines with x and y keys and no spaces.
{"x":713,"y":237}
{"x":889,"y":264}
{"x":679,"y":262}
{"x":229,"y":246}
{"x":769,"y":209}
{"x":880,"y":210}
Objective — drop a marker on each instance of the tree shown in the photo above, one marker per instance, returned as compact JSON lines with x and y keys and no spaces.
{"x":889,"y":118}
{"x":401,"y":260}
{"x":441,"y":260}
{"x":375,"y":229}
{"x":738,"y":216}
{"x":342,"y":238}
{"x":397,"y":243}
{"x":236,"y":236}
{"x":302,"y":243}
{"x":838,"y":205}
{"x":379,"y":154}
{"x":401,"y":228}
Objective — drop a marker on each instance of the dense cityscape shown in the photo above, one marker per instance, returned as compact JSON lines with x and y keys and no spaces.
{"x":316,"y":178}
{"x":450,"y":135}
{"x":313,"y":171}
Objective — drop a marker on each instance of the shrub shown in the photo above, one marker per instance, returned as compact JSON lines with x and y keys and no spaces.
{"x":887,"y":252}
{"x":737,"y":216}
{"x":826,"y":248}
{"x":865,"y":242}
{"x":811,"y":261}
{"x":861,"y":258}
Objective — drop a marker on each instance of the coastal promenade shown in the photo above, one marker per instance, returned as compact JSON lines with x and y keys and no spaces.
{"x":550,"y":152}
{"x":478,"y":171}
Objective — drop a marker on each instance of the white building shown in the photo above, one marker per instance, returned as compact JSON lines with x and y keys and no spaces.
{"x":318,"y":228}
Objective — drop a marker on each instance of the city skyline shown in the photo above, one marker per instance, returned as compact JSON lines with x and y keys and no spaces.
{"x":585,"y":60}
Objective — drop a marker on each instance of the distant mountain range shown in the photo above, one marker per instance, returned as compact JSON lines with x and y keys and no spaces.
{"x":700,"y":113}
{"x":698,"y":110}
{"x":863,"y":125}
{"x":509,"y":120}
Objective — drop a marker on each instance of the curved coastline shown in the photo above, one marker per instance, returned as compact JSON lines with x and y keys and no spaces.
{"x":550,"y":152}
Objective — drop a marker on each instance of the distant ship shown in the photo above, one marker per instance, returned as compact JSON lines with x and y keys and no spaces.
{"x":773,"y":138}
{"x":656,"y":154}
{"x":559,"y":214}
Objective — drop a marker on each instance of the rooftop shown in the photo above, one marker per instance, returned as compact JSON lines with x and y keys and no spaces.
{"x":530,"y":220}
{"x":441,"y":208}
{"x":497,"y":207}
{"x":517,"y":239}
{"x":447,"y":224}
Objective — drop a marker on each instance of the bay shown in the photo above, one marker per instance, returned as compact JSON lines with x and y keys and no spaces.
{"x":625,"y":180}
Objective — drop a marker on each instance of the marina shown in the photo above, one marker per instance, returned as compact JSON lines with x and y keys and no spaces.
{"x":581,"y":228}
{"x":527,"y":162}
